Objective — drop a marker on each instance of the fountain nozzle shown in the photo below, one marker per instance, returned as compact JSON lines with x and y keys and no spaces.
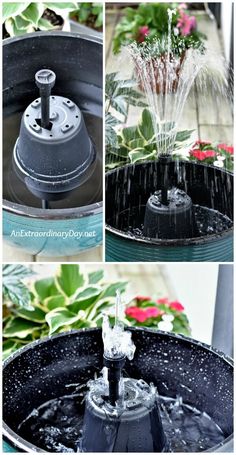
{"x":45,"y":81}
{"x":114,"y":367}
{"x":164,"y":160}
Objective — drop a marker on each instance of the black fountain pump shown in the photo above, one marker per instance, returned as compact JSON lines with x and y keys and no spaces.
{"x":169,"y":211}
{"x":127,"y":420}
{"x":54,"y":153}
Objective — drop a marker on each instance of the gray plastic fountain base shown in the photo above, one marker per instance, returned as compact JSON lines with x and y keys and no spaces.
{"x":128,"y":189}
{"x":43,"y":370}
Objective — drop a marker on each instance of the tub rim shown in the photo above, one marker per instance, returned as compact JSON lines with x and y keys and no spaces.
{"x":169,"y":242}
{"x":14,"y":439}
{"x":56,"y":214}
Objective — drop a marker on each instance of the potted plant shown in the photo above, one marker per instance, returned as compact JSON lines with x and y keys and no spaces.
{"x":161,"y":314}
{"x":153,"y":27}
{"x":20,"y":18}
{"x":150,"y":21}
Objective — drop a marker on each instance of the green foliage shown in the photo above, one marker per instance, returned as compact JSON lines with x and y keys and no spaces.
{"x":20,"y":18}
{"x":119,"y":94}
{"x":69,"y":300}
{"x":138,"y":143}
{"x":14,"y":290}
{"x":89,"y":13}
{"x":154,"y":16}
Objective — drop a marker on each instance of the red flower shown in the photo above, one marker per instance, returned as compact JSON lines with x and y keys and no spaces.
{"x":142,"y":314}
{"x":142,"y":33}
{"x":142,"y":298}
{"x":226,"y":148}
{"x":210,"y":153}
{"x":136,"y":313}
{"x":202,"y":154}
{"x":199,"y":154}
{"x":176,"y":306}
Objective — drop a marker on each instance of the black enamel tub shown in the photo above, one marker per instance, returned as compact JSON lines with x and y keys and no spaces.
{"x":42,"y":370}
{"x":128,"y":189}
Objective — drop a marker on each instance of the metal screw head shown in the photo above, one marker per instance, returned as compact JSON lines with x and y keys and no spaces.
{"x":45,"y":80}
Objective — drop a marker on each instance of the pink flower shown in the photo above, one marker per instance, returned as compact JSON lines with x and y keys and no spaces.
{"x":153,"y":312}
{"x":142,"y":314}
{"x":199,"y":154}
{"x":176,"y":306}
{"x":136,"y":313}
{"x":186,"y":23}
{"x":142,"y":33}
{"x":202,"y":155}
{"x":226,"y":148}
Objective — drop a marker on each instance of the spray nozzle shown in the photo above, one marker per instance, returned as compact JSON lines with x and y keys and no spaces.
{"x":118,"y":345}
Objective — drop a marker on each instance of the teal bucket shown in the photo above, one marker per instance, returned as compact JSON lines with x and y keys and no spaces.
{"x":128,"y":188}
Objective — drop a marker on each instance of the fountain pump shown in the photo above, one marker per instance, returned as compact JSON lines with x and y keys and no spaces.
{"x":169,"y":211}
{"x":121,"y":414}
{"x":53,"y":154}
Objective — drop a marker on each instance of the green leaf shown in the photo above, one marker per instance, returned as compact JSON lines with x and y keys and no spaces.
{"x":18,"y":293}
{"x":130,"y":133}
{"x":13,"y":288}
{"x":146,"y":126}
{"x":182,"y":136}
{"x":9,"y":346}
{"x":11,"y":9}
{"x":85,"y":299}
{"x":69,"y":279}
{"x":137,"y":143}
{"x":110,"y":133}
{"x":61,"y":317}
{"x":61,"y":8}
{"x":55,"y":301}
{"x":13,"y":30}
{"x":111,"y":289}
{"x":95,"y":277}
{"x":45,"y":288}
{"x":19,"y":328}
{"x":10,"y":272}
{"x":44,"y":24}
{"x":33,"y":13}
{"x":21,"y":23}
{"x":141,"y":154}
{"x":36,"y":315}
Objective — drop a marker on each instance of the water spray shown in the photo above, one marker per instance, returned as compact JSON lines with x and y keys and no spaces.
{"x":54,"y":153}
